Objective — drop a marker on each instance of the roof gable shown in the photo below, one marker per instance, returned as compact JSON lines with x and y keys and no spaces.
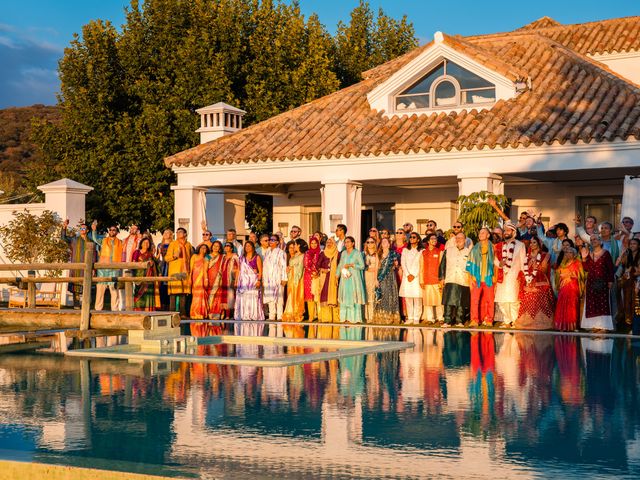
{"x":469,"y":56}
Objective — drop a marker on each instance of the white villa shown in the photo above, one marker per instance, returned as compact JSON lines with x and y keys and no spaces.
{"x":548,"y":114}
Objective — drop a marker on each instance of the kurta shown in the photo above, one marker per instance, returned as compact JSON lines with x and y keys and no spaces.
{"x":508,"y":290}
{"x":294,"y":310}
{"x":130,"y":245}
{"x":456,"y":280}
{"x":410,"y":261}
{"x":387,"y":306}
{"x":248,"y":294}
{"x":147,"y":294}
{"x":274,"y":272}
{"x":431,"y":293}
{"x":536,"y":296}
{"x":597,"y":310}
{"x":351,"y":295}
{"x":110,"y":252}
{"x":567,"y":307}
{"x":179,"y":259}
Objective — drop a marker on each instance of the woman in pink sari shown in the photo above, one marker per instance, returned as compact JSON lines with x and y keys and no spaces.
{"x":311,"y":278}
{"x":229,"y":271}
{"x":199,"y":290}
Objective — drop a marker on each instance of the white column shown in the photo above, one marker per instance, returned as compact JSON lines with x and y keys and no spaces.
{"x":342,"y":203}
{"x":66,"y":198}
{"x":477,"y":182}
{"x":189,"y":210}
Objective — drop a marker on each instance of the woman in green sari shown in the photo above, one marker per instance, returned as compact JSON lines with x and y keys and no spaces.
{"x":351,"y":295}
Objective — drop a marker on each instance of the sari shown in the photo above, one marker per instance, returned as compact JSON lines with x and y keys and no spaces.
{"x":570,"y":281}
{"x":199,"y":267}
{"x":536,"y":296}
{"x":147,"y":294}
{"x":387,"y":307}
{"x":215,"y":287}
{"x":329,"y":310}
{"x":248,"y":304}
{"x":294,"y":310}
{"x":229,"y":271}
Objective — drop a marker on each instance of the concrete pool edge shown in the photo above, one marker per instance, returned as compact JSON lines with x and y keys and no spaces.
{"x":345,"y":348}
{"x":10,"y":470}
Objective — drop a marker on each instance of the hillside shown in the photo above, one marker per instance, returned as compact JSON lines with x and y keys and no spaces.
{"x":17,"y":152}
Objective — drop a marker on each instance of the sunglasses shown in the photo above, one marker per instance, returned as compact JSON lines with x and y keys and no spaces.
{"x":370,"y":243}
{"x":400,"y":232}
{"x":457,"y":226}
{"x":373,"y":230}
{"x":206,"y":234}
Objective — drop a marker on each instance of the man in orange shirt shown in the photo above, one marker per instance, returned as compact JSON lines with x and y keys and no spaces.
{"x":110,"y":252}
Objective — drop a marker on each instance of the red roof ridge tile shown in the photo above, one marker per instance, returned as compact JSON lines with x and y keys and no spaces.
{"x":542,"y":22}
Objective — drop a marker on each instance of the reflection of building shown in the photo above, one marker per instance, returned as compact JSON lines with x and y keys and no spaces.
{"x":546,"y":114}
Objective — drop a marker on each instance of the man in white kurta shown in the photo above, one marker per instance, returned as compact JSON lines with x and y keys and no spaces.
{"x":514,"y":257}
{"x":410,"y":284}
{"x":274,"y":277}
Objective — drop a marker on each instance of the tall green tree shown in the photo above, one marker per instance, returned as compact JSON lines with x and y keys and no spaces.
{"x":128,"y":97}
{"x":366,"y":42}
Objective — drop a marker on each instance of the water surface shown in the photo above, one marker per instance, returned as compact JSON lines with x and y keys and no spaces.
{"x":458,"y":405}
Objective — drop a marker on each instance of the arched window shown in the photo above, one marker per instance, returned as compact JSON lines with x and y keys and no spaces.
{"x":447,"y":85}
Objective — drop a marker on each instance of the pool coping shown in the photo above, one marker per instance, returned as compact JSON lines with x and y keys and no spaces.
{"x":345,"y":348}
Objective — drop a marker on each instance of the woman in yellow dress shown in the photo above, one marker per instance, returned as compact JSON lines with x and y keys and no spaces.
{"x":178,"y":257}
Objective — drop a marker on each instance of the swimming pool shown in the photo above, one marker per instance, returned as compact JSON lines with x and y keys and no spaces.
{"x":457,"y":405}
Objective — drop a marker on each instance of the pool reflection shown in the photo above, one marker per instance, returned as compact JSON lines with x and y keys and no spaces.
{"x":461,"y":404}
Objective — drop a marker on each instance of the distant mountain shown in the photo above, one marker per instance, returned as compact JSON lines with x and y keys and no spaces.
{"x":17,"y":152}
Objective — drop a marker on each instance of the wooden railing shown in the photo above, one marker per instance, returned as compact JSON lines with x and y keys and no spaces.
{"x":87,"y":280}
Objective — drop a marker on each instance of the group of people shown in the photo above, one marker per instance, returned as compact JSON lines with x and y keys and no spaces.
{"x":517,"y":275}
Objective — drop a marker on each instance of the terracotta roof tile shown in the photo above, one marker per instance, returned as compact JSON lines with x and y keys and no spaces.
{"x":572,"y":98}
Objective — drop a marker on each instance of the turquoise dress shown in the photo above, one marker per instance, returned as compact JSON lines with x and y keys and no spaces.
{"x":351,"y":293}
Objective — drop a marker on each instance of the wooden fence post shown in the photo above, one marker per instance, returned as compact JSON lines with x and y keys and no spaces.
{"x":86,"y":287}
{"x":31,"y":290}
{"x":128,"y":292}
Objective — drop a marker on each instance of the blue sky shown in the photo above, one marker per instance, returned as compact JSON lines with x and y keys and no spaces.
{"x":34,"y":33}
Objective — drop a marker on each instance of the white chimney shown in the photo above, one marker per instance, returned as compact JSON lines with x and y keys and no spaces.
{"x":218,"y":120}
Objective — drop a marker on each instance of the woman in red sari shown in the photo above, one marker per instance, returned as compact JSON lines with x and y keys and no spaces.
{"x":599,"y":268}
{"x":199,"y":289}
{"x":215,"y":281}
{"x":569,"y":277}
{"x":230,"y":268}
{"x":147,"y":296}
{"x":536,"y":297}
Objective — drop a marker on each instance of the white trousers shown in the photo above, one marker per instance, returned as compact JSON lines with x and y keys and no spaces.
{"x":509,"y":312}
{"x":431,"y":313}
{"x":414,"y":309}
{"x":115,"y":296}
{"x":275,"y":309}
